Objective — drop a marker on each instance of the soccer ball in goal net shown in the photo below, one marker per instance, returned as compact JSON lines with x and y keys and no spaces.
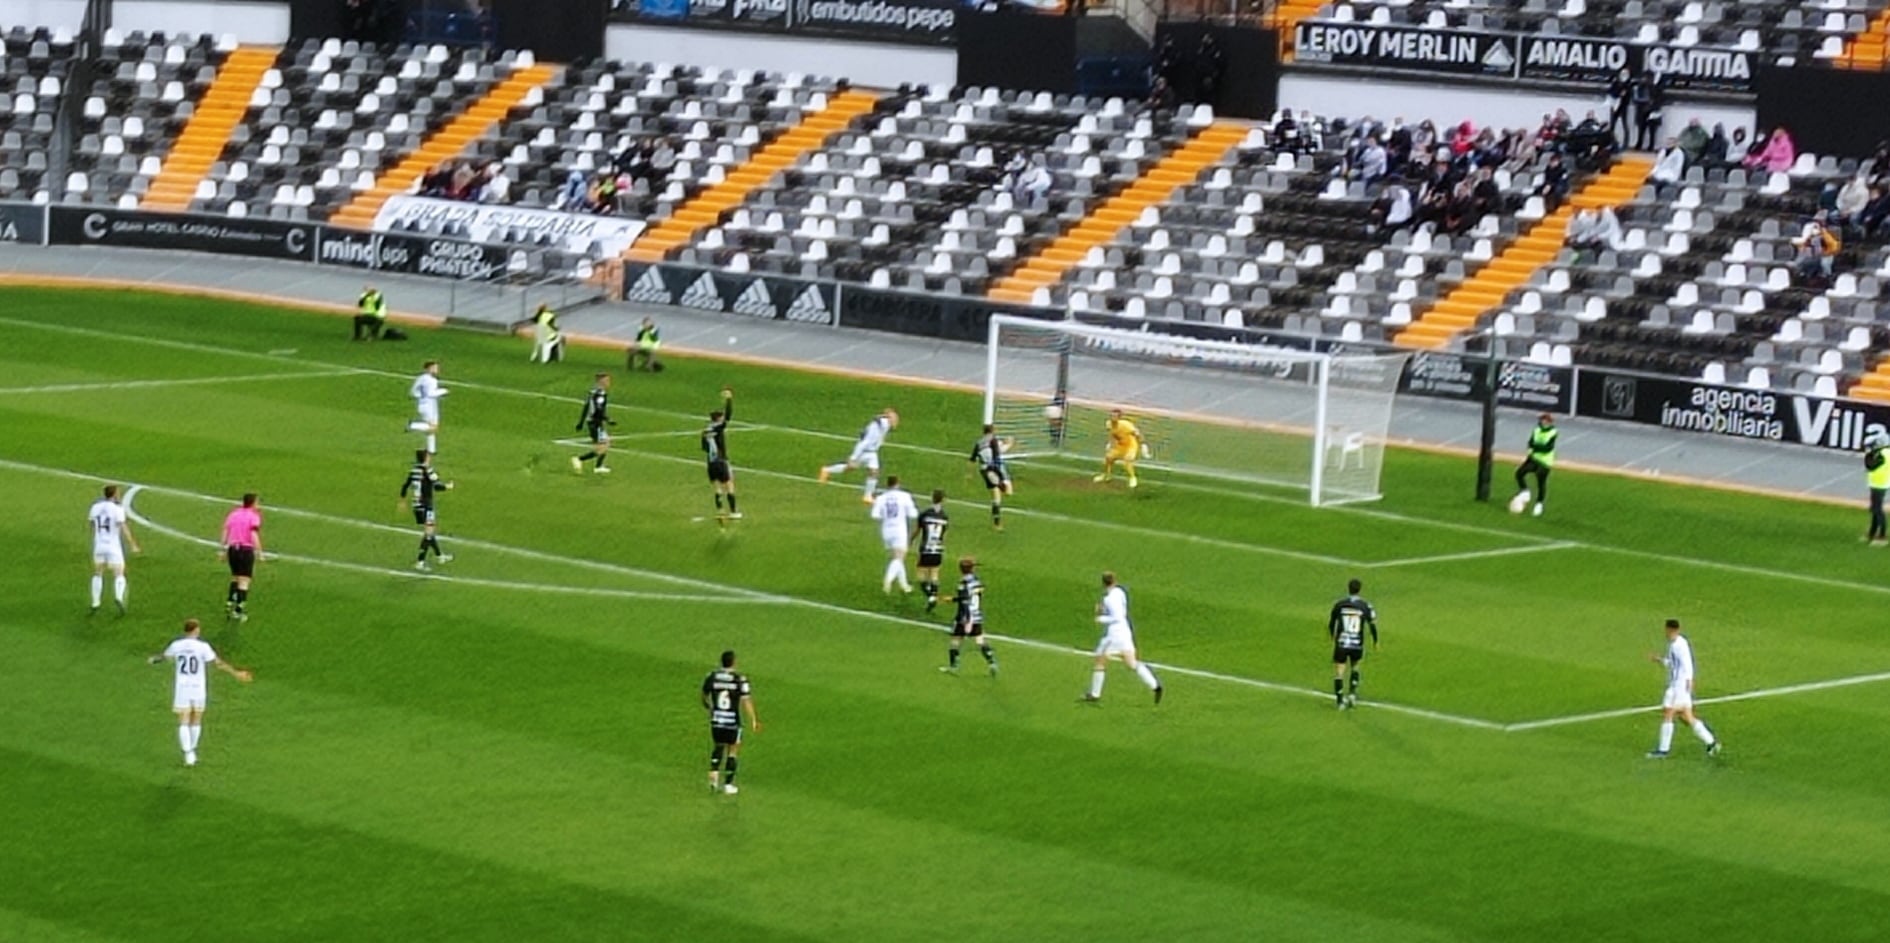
{"x":1312,"y":422}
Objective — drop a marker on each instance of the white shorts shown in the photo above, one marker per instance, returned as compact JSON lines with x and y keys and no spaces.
{"x":1118,"y":640}
{"x":895,"y":539}
{"x":1677,"y":698}
{"x":863,"y":458}
{"x":112,"y":555}
{"x":429,"y":411}
{"x":189,"y":699}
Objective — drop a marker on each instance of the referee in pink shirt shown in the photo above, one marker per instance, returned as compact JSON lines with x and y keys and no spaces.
{"x":242,"y":547}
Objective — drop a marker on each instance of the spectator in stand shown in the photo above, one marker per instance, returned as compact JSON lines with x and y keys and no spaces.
{"x":1485,"y":197}
{"x":462,"y":186}
{"x":1434,"y":193}
{"x":1463,"y":139}
{"x":1591,"y":231}
{"x":498,"y":187}
{"x":1397,"y":147}
{"x":1816,"y":246}
{"x":603,"y":194}
{"x":435,"y":182}
{"x":571,"y":198}
{"x":1391,"y":211}
{"x":1520,"y":146}
{"x":1875,"y":211}
{"x":1717,"y":148}
{"x":1852,"y":200}
{"x":1693,"y":141}
{"x":1553,"y":188}
{"x":1423,"y":142}
{"x":1744,"y":150}
{"x":1287,"y":133}
{"x":1460,"y":211}
{"x":1777,"y":155}
{"x":1161,"y":95}
{"x":1167,"y":66}
{"x":1620,"y":104}
{"x":1366,"y":162}
{"x":1030,"y":183}
{"x":1649,"y":96}
{"x":1209,"y":66}
{"x":1588,"y":143}
{"x":1669,"y":167}
{"x":662,"y":161}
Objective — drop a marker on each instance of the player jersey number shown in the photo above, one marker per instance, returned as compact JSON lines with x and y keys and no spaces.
{"x":974,"y":604}
{"x":724,"y":701}
{"x":188,"y":665}
{"x":1351,"y":622}
{"x":102,"y":526}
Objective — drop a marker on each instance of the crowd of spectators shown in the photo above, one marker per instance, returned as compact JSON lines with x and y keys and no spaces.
{"x":644,"y":164}
{"x":462,"y":181}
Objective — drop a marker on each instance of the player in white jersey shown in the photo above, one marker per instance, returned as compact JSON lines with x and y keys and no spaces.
{"x":109,"y":523}
{"x":895,"y":511}
{"x":1678,"y":701}
{"x":192,"y":658}
{"x":866,"y":452}
{"x":427,"y":392}
{"x":1118,"y":639}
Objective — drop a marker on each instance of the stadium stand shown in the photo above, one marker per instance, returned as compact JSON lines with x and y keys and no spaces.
{"x":37,"y":64}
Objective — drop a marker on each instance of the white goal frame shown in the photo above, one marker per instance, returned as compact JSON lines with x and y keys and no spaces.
{"x":1179,"y":352}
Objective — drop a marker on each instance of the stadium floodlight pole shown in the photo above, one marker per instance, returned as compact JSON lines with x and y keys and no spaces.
{"x":1486,"y":445}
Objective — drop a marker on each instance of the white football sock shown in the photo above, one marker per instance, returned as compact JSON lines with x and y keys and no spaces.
{"x":432,"y":444}
{"x":1699,"y":730}
{"x":1147,"y":676}
{"x":416,"y":426}
{"x":183,"y":738}
{"x":196,"y":734}
{"x":118,"y":588}
{"x":1666,"y":735}
{"x":894,"y":572}
{"x":834,"y":469}
{"x":872,"y":481}
{"x":98,"y":589}
{"x":1096,"y":683}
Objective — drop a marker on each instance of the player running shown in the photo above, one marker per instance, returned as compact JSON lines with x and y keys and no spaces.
{"x":1118,"y":639}
{"x":930,"y":529}
{"x":968,"y":622}
{"x":422,"y":483}
{"x":893,"y":510}
{"x":1125,"y":446}
{"x":108,"y":523}
{"x":427,"y":393}
{"x":192,"y":657}
{"x":594,"y":421}
{"x":715,"y":450}
{"x":1351,"y":618}
{"x":866,"y":453}
{"x":1678,"y":700}
{"x":242,"y":548}
{"x":726,"y":695}
{"x":988,"y":455}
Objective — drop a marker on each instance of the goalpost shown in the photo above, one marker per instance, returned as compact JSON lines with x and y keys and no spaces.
{"x":1248,"y":413}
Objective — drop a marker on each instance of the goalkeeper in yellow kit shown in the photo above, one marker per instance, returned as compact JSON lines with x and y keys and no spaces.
{"x":1125,"y":446}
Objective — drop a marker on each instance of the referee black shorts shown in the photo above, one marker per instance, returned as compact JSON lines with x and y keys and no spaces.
{"x":242,"y":561}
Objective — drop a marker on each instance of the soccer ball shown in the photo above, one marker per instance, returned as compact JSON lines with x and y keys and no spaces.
{"x":1053,"y":412}
{"x":1519,"y":503}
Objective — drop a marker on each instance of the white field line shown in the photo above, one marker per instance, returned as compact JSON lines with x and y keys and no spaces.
{"x":1721,"y":699}
{"x":1469,"y":555}
{"x":1011,"y":511}
{"x":150,"y":384}
{"x":615,"y":437}
{"x":736,"y":594}
{"x":146,"y":522}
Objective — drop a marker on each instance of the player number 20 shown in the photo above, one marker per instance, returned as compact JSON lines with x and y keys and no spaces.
{"x":188,"y":665}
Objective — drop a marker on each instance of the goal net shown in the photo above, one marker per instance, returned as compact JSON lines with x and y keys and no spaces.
{"x":1275,"y":416}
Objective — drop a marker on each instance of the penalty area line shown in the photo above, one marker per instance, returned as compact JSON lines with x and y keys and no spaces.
{"x":1471,"y":555}
{"x":158,"y":384}
{"x":1753,"y":695}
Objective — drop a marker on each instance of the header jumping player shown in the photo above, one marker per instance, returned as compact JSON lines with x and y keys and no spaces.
{"x":1125,"y":446}
{"x":715,"y":449}
{"x":988,"y":455}
{"x":866,"y":453}
{"x":107,"y":520}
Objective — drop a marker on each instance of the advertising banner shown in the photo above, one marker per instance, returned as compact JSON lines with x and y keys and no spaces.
{"x":411,"y":255}
{"x":101,"y":226}
{"x":920,"y":22}
{"x":768,"y":297}
{"x":1735,"y":412}
{"x":1525,"y":56}
{"x":23,"y":223}
{"x":1452,"y":52}
{"x":484,"y":222}
{"x":943,"y":316}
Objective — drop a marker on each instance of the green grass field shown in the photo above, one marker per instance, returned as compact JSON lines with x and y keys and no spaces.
{"x":513,"y":749}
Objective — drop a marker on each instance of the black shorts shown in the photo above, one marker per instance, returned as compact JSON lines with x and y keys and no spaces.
{"x":725,"y":736}
{"x":599,"y":435}
{"x":996,"y":476}
{"x":422,"y":515}
{"x":720,"y":473}
{"x":967,"y":629}
{"x":242,"y":561}
{"x":933,"y":560}
{"x":1347,"y":656}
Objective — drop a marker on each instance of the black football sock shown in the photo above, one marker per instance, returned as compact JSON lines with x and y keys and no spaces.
{"x":230,"y":595}
{"x":1338,"y":690}
{"x":715,"y":758}
{"x":990,"y":657}
{"x":600,"y":460}
{"x":728,"y":772}
{"x":587,"y":456}
{"x":953,"y":652}
{"x":433,"y":541}
{"x":1355,"y":681}
{"x":731,"y":502}
{"x":718,"y":500}
{"x":422,"y":556}
{"x":997,"y":512}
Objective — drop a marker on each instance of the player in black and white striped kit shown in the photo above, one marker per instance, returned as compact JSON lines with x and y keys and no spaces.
{"x":1351,"y":618}
{"x":715,"y":450}
{"x":931,"y":527}
{"x":419,"y":488}
{"x":594,"y":420}
{"x":968,"y":623}
{"x":988,"y":455}
{"x":726,"y":695}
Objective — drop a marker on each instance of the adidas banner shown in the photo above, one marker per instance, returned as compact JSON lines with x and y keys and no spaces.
{"x":768,"y":297}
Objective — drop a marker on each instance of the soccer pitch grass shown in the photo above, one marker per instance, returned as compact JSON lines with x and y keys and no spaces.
{"x":512,"y":749}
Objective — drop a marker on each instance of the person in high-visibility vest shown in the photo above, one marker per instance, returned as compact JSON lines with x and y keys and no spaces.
{"x":1540,"y":462}
{"x":370,"y":316}
{"x":1877,"y":476}
{"x":547,"y":340}
{"x":643,"y":353}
